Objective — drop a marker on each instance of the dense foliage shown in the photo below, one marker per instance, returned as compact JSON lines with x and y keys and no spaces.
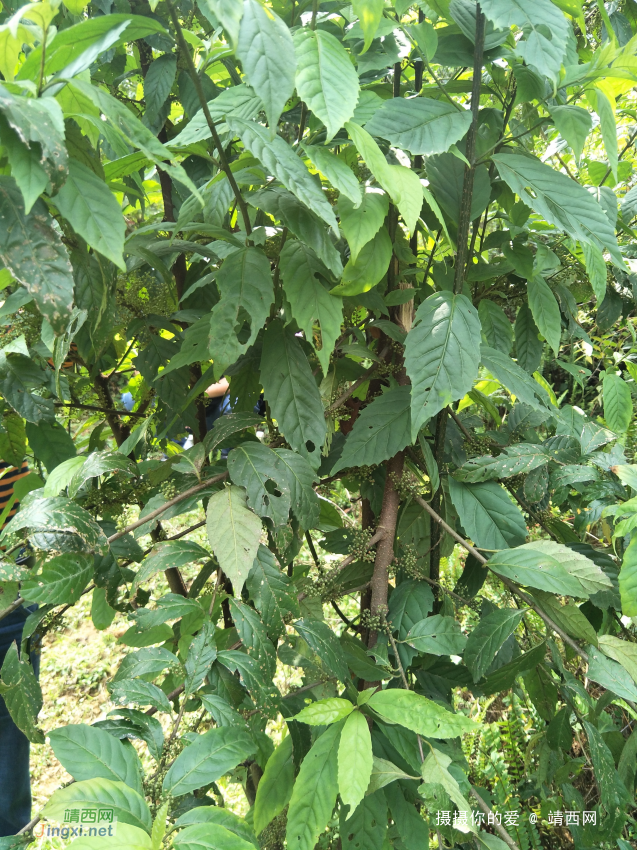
{"x":403,"y":234}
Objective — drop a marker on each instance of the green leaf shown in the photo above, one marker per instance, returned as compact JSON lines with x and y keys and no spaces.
{"x":167,"y":554}
{"x":102,"y":614}
{"x":400,"y":183}
{"x":275,"y":787}
{"x":435,"y":770}
{"x":370,"y":266}
{"x":245,"y":286}
{"x":325,"y":78}
{"x":384,"y":773}
{"x":32,"y":250}
{"x":21,"y":693}
{"x":221,"y":817}
{"x":238,"y":100}
{"x":300,"y":221}
{"x":618,"y":405}
{"x":591,"y":577}
{"x":496,"y":327}
{"x":26,"y":169}
{"x":355,"y":760}
{"x":266,"y":51}
{"x":441,"y":354}
{"x":382,"y":430}
{"x":612,"y":793}
{"x":446,"y":179}
{"x":487,"y":638}
{"x":128,"y":837}
{"x":86,"y":753}
{"x":127,"y":805}
{"x":437,"y":635}
{"x":310,"y":299}
{"x":361,"y":223}
{"x":306,"y":505}
{"x":158,"y":82}
{"x":315,"y":792}
{"x":515,"y":379}
{"x":324,"y":643}
{"x":93,"y":212}
{"x":515,"y":460}
{"x":254,"y":637}
{"x":412,"y":828}
{"x":264,"y":476}
{"x":622,"y":651}
{"x":595,"y":269}
{"x":36,"y":126}
{"x":337,"y":172}
{"x":606,"y":113}
{"x":545,"y":31}
{"x":228,"y":425}
{"x":272,"y":592}
{"x":488,"y":514}
{"x":210,"y":836}
{"x":207,"y":759}
{"x":568,"y":617}
{"x":234,"y":532}
{"x":628,"y":580}
{"x":573,"y":124}
{"x":367,"y":826}
{"x":279,"y":159}
{"x":62,"y":521}
{"x":369,"y":14}
{"x":228,"y":13}
{"x":420,"y":125}
{"x":528,"y":347}
{"x":560,"y":200}
{"x":530,"y":566}
{"x":546,"y":313}
{"x":291,"y":391}
{"x":61,"y":581}
{"x":13,"y":439}
{"x":51,"y":443}
{"x":201,"y":654}
{"x":101,"y":463}
{"x":325,"y":711}
{"x":419,"y":714}
{"x":140,"y":693}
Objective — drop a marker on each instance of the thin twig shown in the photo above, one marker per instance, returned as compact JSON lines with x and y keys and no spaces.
{"x":180,"y":498}
{"x":504,"y":835}
{"x":108,"y":412}
{"x":223,"y":162}
{"x":351,"y":390}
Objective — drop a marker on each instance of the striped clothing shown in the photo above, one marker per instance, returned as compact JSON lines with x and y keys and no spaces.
{"x":7,"y":483}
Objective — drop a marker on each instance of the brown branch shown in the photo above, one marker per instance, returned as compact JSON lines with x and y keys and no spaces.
{"x":385,"y":548}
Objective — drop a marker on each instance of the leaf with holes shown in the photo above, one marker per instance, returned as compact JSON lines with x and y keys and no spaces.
{"x":291,"y":391}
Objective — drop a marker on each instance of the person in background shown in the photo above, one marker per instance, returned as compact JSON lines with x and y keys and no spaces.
{"x":220,"y":404}
{"x":15,"y":784}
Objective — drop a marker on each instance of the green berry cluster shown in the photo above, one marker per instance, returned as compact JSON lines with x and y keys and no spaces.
{"x":359,"y":547}
{"x":407,"y":485}
{"x":515,"y":481}
{"x":168,"y":489}
{"x":479,"y":444}
{"x":25,"y":323}
{"x":139,"y":294}
{"x":115,"y":494}
{"x":273,"y":836}
{"x":376,"y":622}
{"x":411,"y":564}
